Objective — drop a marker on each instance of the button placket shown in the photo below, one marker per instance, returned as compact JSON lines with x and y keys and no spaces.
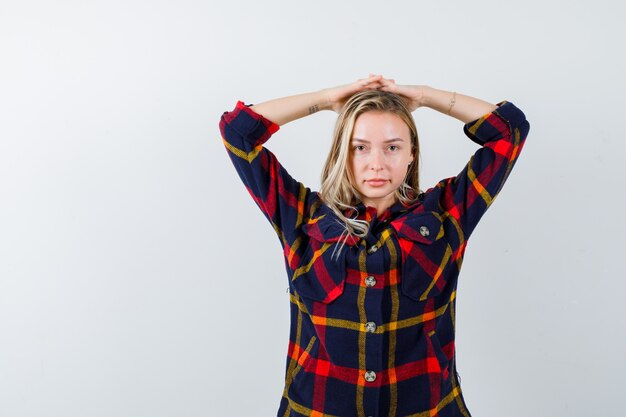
{"x":370,"y":326}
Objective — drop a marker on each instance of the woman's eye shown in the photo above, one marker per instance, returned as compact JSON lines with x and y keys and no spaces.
{"x":393,"y":147}
{"x":359,"y":147}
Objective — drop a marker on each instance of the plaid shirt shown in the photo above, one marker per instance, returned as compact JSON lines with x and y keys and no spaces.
{"x":372,"y":330}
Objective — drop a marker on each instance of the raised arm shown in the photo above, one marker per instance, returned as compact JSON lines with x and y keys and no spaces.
{"x":500,"y":129}
{"x":459,"y":106}
{"x":283,"y":200}
{"x":286,"y":109}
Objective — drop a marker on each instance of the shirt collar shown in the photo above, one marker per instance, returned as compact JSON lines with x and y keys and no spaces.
{"x":368,"y":213}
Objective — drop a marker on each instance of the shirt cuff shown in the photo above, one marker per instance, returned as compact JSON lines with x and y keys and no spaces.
{"x":250,"y":124}
{"x":487,"y":129}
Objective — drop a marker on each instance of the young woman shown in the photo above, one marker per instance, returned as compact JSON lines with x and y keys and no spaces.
{"x":373,"y":260}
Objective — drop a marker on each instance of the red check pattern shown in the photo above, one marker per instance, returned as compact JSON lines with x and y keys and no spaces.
{"x":372,"y":327}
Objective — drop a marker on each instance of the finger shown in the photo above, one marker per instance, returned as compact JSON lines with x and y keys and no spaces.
{"x":371,"y":77}
{"x":373,"y":80}
{"x":374,"y":84}
{"x":389,"y":88}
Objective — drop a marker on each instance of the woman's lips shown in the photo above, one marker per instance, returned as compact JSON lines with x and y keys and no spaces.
{"x":376,"y":183}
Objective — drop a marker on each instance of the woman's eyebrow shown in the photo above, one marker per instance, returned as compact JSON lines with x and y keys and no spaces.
{"x":387,"y":141}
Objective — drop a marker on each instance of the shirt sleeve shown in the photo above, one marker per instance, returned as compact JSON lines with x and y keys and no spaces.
{"x":501,"y":134}
{"x":282,"y":199}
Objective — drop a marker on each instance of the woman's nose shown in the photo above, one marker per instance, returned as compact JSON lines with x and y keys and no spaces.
{"x":376,"y":161}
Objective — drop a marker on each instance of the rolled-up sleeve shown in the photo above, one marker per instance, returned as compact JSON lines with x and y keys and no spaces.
{"x":282,"y":199}
{"x":501,"y":134}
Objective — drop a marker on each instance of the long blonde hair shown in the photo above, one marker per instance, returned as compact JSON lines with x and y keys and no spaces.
{"x":336,"y":188}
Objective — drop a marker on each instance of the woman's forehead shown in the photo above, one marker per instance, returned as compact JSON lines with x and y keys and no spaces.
{"x":380,"y":126}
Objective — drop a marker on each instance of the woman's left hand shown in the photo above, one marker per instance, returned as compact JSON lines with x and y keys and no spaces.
{"x":413,"y":95}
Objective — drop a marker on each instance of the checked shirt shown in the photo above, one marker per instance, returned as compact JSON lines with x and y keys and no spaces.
{"x":373,"y":324}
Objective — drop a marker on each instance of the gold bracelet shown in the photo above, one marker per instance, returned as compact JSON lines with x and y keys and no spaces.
{"x":452,"y":101}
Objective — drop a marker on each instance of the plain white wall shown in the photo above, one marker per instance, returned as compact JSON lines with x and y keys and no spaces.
{"x":138,"y":278}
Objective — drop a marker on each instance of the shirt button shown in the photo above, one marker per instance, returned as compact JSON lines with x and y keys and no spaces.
{"x":372,"y":250}
{"x":370,"y":326}
{"x":424,"y":231}
{"x":370,"y":281}
{"x":370,"y":376}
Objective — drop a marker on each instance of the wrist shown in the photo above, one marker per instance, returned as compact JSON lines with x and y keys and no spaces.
{"x":323,"y":99}
{"x":426,"y":96}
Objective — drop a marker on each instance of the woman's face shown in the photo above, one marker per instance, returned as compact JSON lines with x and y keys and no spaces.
{"x":380,"y":153}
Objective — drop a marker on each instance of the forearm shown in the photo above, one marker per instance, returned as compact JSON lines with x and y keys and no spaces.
{"x":286,"y":109}
{"x":465,"y":108}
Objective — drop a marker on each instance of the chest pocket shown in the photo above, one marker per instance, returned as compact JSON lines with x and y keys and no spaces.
{"x":320,"y":273}
{"x":426,"y":254}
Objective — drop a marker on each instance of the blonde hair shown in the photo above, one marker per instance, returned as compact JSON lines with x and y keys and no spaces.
{"x":336,"y":188}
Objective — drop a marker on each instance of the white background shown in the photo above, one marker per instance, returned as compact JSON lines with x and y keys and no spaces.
{"x":138,"y":278}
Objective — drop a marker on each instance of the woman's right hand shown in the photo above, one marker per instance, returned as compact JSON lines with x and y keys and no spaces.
{"x":338,"y":96}
{"x":285,"y":109}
